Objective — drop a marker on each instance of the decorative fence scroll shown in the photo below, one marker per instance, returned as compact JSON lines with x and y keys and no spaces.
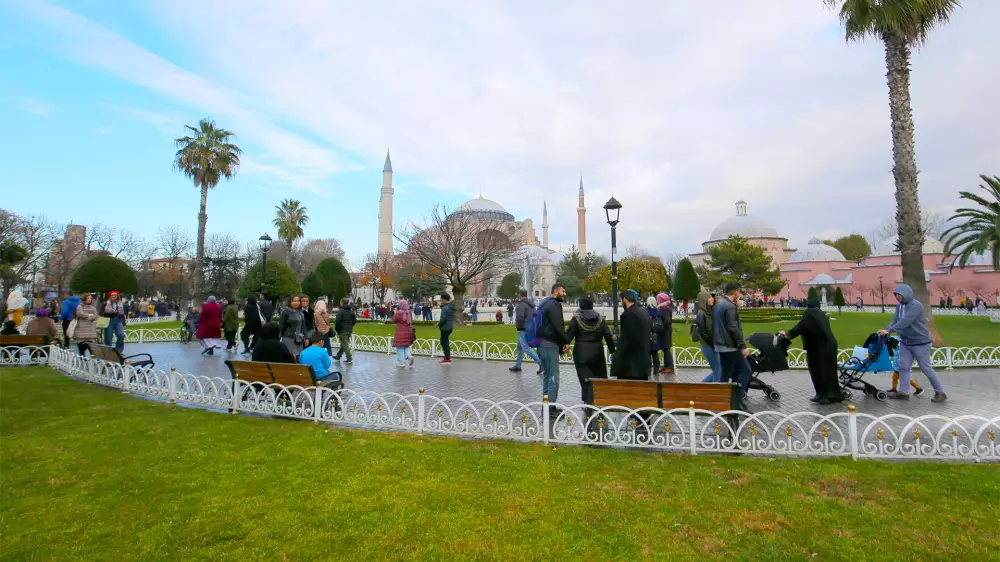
{"x":689,"y":430}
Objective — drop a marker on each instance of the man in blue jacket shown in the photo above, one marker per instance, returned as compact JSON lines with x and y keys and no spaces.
{"x":910,"y":323}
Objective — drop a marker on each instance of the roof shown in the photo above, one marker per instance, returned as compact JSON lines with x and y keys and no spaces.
{"x":538,"y":255}
{"x":816,"y":252}
{"x":581,"y":186}
{"x":888,"y":247}
{"x":743,"y":225}
{"x":483,"y":208}
{"x":388,"y":163}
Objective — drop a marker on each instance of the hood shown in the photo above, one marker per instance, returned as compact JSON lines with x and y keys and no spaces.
{"x":663,"y":301}
{"x":529,"y":301}
{"x":703,"y":300}
{"x":320,"y":306}
{"x":813,"y":303}
{"x":270,"y":331}
{"x":74,"y":301}
{"x":404,"y":305}
{"x":589,"y":315}
{"x":905,"y":291}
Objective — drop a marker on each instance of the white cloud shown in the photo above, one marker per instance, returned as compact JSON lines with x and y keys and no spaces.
{"x":34,"y":106}
{"x":674,"y":109}
{"x":103,"y":130}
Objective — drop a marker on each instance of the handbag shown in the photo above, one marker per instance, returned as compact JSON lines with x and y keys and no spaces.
{"x":71,"y":329}
{"x":102,"y":322}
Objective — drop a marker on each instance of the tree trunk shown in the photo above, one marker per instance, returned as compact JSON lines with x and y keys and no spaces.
{"x":458,"y":298}
{"x":904,"y":170}
{"x":198,"y":279}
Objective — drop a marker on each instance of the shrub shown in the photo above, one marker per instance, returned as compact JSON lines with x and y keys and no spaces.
{"x":102,"y":274}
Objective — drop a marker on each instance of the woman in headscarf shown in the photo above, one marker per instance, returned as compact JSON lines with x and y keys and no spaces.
{"x":665,"y":305}
{"x":209,"y":332}
{"x":704,"y":325}
{"x":321,"y":319}
{"x":590,"y":333}
{"x":404,"y":336}
{"x":659,"y":327}
{"x":42,"y":325}
{"x":15,"y":307}
{"x":821,"y":352}
{"x":293,"y":327}
{"x":85,"y":332}
{"x":268,"y":347}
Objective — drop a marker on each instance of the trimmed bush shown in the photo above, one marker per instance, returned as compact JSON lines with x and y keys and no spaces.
{"x":101,"y":274}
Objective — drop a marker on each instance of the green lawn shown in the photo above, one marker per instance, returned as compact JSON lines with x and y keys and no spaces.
{"x":88,"y":473}
{"x":851,"y":329}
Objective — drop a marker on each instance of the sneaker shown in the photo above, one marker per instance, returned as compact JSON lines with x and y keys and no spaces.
{"x":540,"y":371}
{"x":939,"y":397}
{"x":349,"y":361}
{"x":918,"y":391}
{"x":666,"y":371}
{"x":515,"y":369}
{"x":896,"y":395}
{"x":445,"y":362}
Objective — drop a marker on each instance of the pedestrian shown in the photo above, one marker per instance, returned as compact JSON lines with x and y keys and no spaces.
{"x":67,"y":314}
{"x":252,"y":321}
{"x":657,"y":327}
{"x":209,"y":332}
{"x":42,"y":325}
{"x":631,"y":358}
{"x":525,"y":308}
{"x":269,"y":348}
{"x":510,"y":313}
{"x":666,"y":305}
{"x":15,"y":307}
{"x":151,"y":309}
{"x":474,"y":311}
{"x":910,"y":322}
{"x":85,"y":332}
{"x":308,"y":318}
{"x":705,"y":333}
{"x":344,"y":326}
{"x":231,"y":324}
{"x":980,"y":307}
{"x":969,"y":305}
{"x":115,"y":313}
{"x":266,"y":306}
{"x":9,"y":328}
{"x":321,"y":323}
{"x":446,"y":324}
{"x":404,"y":336}
{"x":499,"y":316}
{"x":917,"y":389}
{"x":292,"y":326}
{"x":554,"y":342}
{"x":729,"y":341}
{"x":821,"y":352}
{"x":861,"y":303}
{"x":589,"y":333}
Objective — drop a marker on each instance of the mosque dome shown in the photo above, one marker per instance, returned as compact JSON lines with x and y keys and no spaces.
{"x":538,"y":255}
{"x":888,"y":247}
{"x":743,"y":225}
{"x":816,"y":252}
{"x":482,"y":208}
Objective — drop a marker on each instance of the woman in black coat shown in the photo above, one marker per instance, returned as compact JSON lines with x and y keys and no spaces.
{"x":590,"y":332}
{"x":270,"y":349}
{"x":821,"y":352}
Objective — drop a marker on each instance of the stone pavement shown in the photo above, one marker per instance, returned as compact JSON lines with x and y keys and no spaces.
{"x":970,"y":391}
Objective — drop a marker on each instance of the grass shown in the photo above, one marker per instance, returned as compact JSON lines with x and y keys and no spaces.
{"x":88,"y":473}
{"x":851,"y":328}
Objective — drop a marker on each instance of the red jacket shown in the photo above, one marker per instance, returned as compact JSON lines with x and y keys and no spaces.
{"x":210,"y":321}
{"x":404,"y":331}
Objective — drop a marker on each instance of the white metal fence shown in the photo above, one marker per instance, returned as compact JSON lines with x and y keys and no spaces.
{"x":689,"y":430}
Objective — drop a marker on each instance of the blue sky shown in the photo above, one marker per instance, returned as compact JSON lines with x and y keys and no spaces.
{"x":675,"y":111}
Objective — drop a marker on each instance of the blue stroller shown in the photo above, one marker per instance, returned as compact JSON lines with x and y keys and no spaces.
{"x":875,"y":356}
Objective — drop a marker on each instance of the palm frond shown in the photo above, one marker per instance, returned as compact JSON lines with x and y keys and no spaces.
{"x":912,"y":20}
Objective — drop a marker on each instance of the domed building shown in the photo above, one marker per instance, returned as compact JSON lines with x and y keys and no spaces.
{"x":757,"y":231}
{"x":516,"y":233}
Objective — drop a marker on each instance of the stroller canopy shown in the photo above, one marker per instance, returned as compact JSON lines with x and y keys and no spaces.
{"x":773,"y":352}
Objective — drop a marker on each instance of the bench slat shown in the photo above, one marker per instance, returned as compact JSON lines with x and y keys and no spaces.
{"x":667,"y":395}
{"x":296,"y":379}
{"x":12,"y":339}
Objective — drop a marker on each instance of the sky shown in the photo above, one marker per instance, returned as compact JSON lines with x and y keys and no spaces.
{"x":675,"y":110}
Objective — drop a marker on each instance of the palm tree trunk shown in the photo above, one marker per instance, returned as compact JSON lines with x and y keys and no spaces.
{"x":199,"y":265}
{"x":904,"y":170}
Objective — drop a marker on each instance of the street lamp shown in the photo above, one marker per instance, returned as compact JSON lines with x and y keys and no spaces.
{"x":265,"y":245}
{"x":881,"y":293}
{"x":611,"y":210}
{"x":180,"y":290}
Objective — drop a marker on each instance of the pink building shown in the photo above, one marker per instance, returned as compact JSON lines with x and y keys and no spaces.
{"x":819,"y":265}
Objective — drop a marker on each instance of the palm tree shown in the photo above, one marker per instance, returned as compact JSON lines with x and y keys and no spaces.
{"x":979,"y":229}
{"x":206,"y":157}
{"x":289,"y":219}
{"x":900,"y":24}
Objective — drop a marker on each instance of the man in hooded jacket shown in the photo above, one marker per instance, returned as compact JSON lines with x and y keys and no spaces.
{"x":525,"y":308}
{"x":910,"y":322}
{"x":590,"y":332}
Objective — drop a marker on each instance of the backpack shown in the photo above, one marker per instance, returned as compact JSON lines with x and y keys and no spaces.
{"x":657,"y":325}
{"x":695,"y":332}
{"x":533,"y":326}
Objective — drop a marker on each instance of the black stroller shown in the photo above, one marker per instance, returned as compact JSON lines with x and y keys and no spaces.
{"x":771,"y":357}
{"x":874,"y":357}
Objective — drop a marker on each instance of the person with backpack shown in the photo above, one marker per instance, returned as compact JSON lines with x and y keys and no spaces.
{"x":446,"y":324}
{"x":666,"y":306}
{"x":703,"y":333}
{"x":546,"y":330}
{"x":525,"y":309}
{"x":590,"y":332}
{"x":657,"y":327}
{"x":631,"y":358}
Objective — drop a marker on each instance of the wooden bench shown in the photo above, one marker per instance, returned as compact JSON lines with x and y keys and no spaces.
{"x":11,"y":340}
{"x":112,"y":355}
{"x":258,"y":375}
{"x":11,"y":345}
{"x":714,"y":397}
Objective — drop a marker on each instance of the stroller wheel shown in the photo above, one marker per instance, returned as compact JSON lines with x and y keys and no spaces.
{"x":868,"y":392}
{"x":847,"y":394}
{"x":881,"y":395}
{"x":774,"y":395}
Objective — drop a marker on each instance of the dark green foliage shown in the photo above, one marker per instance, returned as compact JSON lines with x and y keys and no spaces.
{"x":281,"y":281}
{"x":416,"y":282}
{"x":686,"y":284}
{"x":813,"y":294}
{"x":838,"y":297}
{"x":102,"y":274}
{"x":332,"y":280}
{"x":853,"y":246}
{"x":510,"y":286}
{"x":736,"y":260}
{"x":312,"y":287}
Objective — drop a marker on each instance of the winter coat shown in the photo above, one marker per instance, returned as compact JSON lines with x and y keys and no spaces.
{"x":553,"y":331}
{"x":728,"y":327}
{"x":266,"y":310}
{"x":704,"y":322}
{"x":347,"y":317}
{"x":291,"y":322}
{"x":814,"y":327}
{"x":656,"y":340}
{"x":447,"y":320}
{"x":210,"y":321}
{"x":308,"y":319}
{"x":269,"y":348}
{"x":525,"y":308}
{"x":251,"y":314}
{"x":231,"y":318}
{"x":42,"y":326}
{"x":590,"y":333}
{"x":86,"y":329}
{"x":114,"y":309}
{"x":404,"y":330}
{"x":909,"y":320}
{"x":69,"y":306}
{"x":631,"y":358}
{"x":321,"y":318}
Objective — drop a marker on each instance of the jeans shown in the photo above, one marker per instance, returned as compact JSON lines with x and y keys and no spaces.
{"x":446,"y":343}
{"x":115,"y":328}
{"x":402,"y":355}
{"x":550,"y":378}
{"x":345,"y":346}
{"x":922,"y":355}
{"x":523,"y":348}
{"x":712,"y":357}
{"x":735,"y":368}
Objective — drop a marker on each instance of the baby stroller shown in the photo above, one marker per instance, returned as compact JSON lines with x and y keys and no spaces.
{"x":771,"y":357}
{"x":875,"y":356}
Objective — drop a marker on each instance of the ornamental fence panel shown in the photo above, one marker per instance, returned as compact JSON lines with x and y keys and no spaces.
{"x":685,"y":430}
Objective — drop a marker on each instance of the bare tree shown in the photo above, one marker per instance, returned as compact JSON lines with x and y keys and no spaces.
{"x":174,"y":242}
{"x":379,"y":272}
{"x":670,"y":261}
{"x":35,"y":234}
{"x":223,"y":264}
{"x":311,"y":253}
{"x":463,"y":248}
{"x":932,"y":224}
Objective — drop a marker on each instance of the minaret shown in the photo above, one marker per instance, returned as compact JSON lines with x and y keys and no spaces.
{"x":581,"y":224}
{"x":385,"y":209}
{"x":545,"y":225}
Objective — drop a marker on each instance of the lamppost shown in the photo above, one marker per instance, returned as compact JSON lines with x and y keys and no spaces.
{"x":180,"y":289}
{"x":881,"y":293}
{"x":265,"y":245}
{"x":611,"y":210}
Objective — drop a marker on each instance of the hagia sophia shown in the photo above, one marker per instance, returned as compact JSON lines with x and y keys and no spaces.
{"x":820,"y":265}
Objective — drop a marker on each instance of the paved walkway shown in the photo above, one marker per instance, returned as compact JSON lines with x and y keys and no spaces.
{"x":970,"y":391}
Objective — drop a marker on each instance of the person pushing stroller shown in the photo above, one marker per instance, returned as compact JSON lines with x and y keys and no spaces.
{"x":910,"y":322}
